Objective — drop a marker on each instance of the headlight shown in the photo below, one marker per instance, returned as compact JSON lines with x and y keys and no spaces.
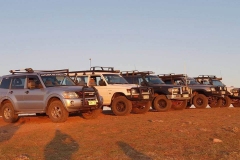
{"x":235,"y":90}
{"x":225,"y":88}
{"x":134,"y":91}
{"x":173,"y":89}
{"x":213,"y":89}
{"x":70,"y":95}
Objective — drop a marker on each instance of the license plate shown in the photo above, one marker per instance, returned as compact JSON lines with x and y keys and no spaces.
{"x":223,"y":92}
{"x":235,"y":94}
{"x":145,"y":96}
{"x":92,"y":102}
{"x":185,"y":95}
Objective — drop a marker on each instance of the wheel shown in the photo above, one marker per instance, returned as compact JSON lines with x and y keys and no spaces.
{"x":179,"y":105}
{"x":226,"y":101}
{"x":215,"y":103}
{"x":200,"y":101}
{"x":56,"y":112}
{"x":8,"y":113}
{"x":92,"y":114}
{"x":141,"y":107}
{"x":161,"y":103}
{"x":121,"y":106}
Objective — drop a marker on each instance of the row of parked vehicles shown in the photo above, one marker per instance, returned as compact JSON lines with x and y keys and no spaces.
{"x":58,"y":93}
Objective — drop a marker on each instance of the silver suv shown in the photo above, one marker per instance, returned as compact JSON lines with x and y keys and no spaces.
{"x":50,"y":92}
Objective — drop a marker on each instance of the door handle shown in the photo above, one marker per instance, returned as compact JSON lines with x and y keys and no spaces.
{"x":11,"y":92}
{"x":27,"y":92}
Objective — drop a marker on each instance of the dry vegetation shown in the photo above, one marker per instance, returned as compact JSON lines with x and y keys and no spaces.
{"x":188,"y":134}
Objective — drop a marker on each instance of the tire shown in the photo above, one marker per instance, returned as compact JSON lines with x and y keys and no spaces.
{"x":141,"y":107}
{"x":121,"y":106}
{"x":161,"y":103}
{"x":226,"y":102}
{"x":8,"y":113}
{"x":179,"y":105}
{"x":92,"y":114}
{"x":216,"y":103}
{"x":200,"y":101}
{"x":57,"y":112}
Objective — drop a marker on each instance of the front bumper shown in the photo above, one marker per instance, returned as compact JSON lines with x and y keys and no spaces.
{"x":179,"y":96}
{"x":73,"y":105}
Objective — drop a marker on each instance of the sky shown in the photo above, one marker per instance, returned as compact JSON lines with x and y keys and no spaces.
{"x":199,"y":37}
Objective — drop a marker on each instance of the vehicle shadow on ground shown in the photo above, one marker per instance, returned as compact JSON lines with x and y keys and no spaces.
{"x":131,"y":152}
{"x":7,"y":131}
{"x":61,"y":147}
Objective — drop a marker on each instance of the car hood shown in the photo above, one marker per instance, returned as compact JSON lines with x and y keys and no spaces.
{"x":70,"y":88}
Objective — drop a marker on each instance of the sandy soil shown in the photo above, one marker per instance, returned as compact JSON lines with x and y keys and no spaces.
{"x":212,"y":133}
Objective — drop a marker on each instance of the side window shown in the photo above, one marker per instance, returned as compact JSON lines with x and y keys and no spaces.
{"x":5,"y":83}
{"x":168,"y":81}
{"x":18,"y":82}
{"x":81,"y":80}
{"x":34,"y":82}
{"x":100,"y":81}
{"x":93,"y":80}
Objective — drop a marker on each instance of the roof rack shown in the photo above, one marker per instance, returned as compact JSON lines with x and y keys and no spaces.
{"x":59,"y":70}
{"x":134,"y":72}
{"x":208,"y":76}
{"x":96,"y":69}
{"x":30,"y":70}
{"x":171,"y":75}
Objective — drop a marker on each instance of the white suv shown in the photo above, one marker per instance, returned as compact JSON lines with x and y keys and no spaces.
{"x":117,"y":93}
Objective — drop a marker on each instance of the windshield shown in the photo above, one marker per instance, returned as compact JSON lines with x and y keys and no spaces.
{"x":114,"y":79}
{"x":218,"y":83}
{"x":153,"y":80}
{"x":51,"y":80}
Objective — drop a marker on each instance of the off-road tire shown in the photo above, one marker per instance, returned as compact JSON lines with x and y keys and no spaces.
{"x":57,"y":112}
{"x":121,"y":106}
{"x":141,"y":107}
{"x":179,"y":105}
{"x":8,"y":113}
{"x":226,"y":102}
{"x":92,"y":114}
{"x":216,"y":104}
{"x":161,"y":103}
{"x":200,"y":101}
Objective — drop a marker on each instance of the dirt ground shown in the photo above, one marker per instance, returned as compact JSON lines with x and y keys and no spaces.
{"x":212,"y":133}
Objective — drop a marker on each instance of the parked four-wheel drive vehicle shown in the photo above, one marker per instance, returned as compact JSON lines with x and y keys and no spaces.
{"x":46,"y":92}
{"x":166,"y":96}
{"x":117,"y":93}
{"x":203,"y":94}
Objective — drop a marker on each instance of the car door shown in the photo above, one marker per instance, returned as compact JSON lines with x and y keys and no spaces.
{"x":34,"y":94}
{"x":16,"y":92}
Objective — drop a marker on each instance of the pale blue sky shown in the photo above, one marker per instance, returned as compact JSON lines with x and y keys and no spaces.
{"x":165,"y":36}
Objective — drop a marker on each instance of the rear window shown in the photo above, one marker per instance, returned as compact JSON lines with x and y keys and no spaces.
{"x":5,"y":83}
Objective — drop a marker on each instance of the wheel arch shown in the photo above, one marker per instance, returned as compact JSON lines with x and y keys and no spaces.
{"x":3,"y":102}
{"x":50,"y":100}
{"x":117,"y":94}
